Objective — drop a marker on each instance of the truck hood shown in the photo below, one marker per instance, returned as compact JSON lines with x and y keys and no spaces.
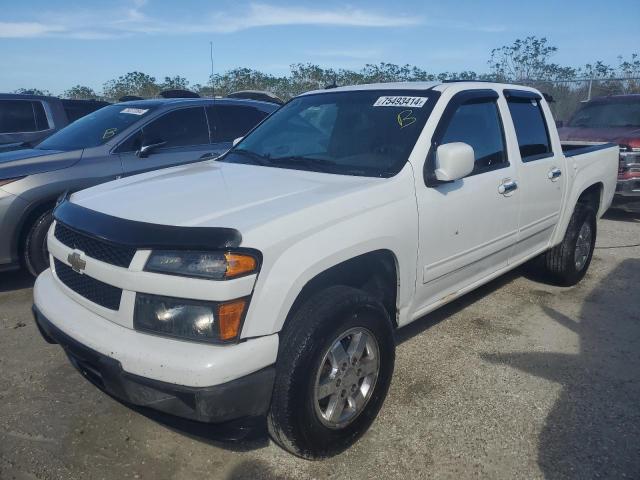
{"x":619,"y":135}
{"x":20,"y":163}
{"x":218,"y":194}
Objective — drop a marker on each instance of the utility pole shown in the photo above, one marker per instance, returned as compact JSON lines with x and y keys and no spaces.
{"x":213,"y":88}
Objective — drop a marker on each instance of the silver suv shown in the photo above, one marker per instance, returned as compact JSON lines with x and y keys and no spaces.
{"x":117,"y":140}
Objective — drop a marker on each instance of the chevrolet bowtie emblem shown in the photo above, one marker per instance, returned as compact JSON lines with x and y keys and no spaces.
{"x":76,"y":262}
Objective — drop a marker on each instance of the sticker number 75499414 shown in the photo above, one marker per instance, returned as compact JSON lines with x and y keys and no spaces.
{"x":399,"y":101}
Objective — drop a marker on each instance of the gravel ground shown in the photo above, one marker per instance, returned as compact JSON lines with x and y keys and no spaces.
{"x":516,"y":380}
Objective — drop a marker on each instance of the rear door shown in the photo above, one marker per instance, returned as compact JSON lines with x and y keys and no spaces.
{"x":467,"y":227}
{"x":542,"y":175}
{"x":184,"y":134}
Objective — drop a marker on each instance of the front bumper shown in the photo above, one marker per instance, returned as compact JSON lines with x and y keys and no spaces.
{"x":627,"y":195}
{"x":247,"y":396}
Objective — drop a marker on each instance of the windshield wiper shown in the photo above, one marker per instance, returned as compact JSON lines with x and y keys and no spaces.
{"x":301,"y":160}
{"x":256,"y":158}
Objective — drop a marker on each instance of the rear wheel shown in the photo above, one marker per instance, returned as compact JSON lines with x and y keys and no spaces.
{"x":566,"y":264}
{"x":36,"y":254}
{"x":334,"y":369}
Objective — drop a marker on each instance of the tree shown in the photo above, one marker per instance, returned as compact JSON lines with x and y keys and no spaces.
{"x":80,"y":92}
{"x":32,"y":91}
{"x":132,"y":83}
{"x":176,"y":82}
{"x":526,"y":60}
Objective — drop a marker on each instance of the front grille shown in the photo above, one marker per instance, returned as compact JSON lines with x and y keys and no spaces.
{"x":118,"y":255}
{"x":93,"y":290}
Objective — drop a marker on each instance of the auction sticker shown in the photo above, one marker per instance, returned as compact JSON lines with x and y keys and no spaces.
{"x":135,"y":111}
{"x":417,"y":102}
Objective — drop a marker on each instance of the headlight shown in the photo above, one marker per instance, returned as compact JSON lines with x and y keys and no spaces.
{"x":189,"y":319}
{"x":212,"y":265}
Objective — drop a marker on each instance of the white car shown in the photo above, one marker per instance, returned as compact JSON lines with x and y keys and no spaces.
{"x":271,"y":280}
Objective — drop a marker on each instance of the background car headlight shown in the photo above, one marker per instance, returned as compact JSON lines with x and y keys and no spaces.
{"x":189,"y":319}
{"x":212,"y":265}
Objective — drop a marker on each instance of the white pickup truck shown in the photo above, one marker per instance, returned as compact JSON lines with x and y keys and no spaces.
{"x":270,"y":281}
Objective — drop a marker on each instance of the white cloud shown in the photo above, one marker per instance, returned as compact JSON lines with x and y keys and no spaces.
{"x":28,"y":29}
{"x":130,"y":19}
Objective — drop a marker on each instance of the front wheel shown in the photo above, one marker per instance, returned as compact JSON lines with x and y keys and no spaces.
{"x":335,"y":364}
{"x":567,"y":263}
{"x":36,"y":254}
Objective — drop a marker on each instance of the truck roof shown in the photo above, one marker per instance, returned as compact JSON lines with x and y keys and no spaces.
{"x":421,"y":86}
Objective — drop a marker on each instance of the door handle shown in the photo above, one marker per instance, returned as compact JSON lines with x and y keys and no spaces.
{"x":507,"y":187}
{"x":554,"y":173}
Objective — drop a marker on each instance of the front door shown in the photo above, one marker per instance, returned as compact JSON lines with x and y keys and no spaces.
{"x":467,"y":227}
{"x":181,"y":136}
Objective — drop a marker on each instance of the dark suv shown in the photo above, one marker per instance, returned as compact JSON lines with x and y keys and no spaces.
{"x":115,"y":141}
{"x":26,"y":120}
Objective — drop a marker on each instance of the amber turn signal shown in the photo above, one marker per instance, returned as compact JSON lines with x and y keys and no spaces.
{"x":239,"y":264}
{"x":230,"y":318}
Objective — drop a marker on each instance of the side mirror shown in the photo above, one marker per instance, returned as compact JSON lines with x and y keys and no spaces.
{"x":145,"y":150}
{"x":454,"y":161}
{"x":237,"y":141}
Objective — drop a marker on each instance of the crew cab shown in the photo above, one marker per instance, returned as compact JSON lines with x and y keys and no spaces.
{"x":26,"y":120}
{"x":615,"y":118}
{"x":270,"y":281}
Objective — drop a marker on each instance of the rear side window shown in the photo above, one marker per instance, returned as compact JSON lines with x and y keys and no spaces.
{"x":179,"y":128}
{"x":17,"y":116}
{"x":479,"y":125}
{"x":531,"y":129}
{"x":232,"y":121}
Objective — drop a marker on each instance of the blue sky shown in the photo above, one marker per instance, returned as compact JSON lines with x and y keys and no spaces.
{"x":55,"y":45}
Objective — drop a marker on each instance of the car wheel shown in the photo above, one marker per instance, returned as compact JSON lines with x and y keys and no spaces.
{"x":36,"y":254}
{"x":333,"y":372}
{"x":567,"y":263}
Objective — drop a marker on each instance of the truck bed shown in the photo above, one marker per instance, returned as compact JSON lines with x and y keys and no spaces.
{"x":571,"y":149}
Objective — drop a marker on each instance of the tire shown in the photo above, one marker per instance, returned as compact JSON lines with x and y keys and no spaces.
{"x":560,"y":265}
{"x":295,"y":419}
{"x":36,"y":254}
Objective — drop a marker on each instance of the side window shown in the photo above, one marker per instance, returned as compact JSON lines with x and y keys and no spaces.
{"x":18,"y":116}
{"x":179,"y":128}
{"x":531,"y":129}
{"x":232,"y":121}
{"x":479,"y":125}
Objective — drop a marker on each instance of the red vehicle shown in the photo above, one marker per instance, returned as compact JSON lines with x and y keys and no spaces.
{"x":613,"y":119}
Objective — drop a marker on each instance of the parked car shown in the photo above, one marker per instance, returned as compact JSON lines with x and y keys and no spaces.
{"x":613,"y":119}
{"x":26,"y":120}
{"x":271,"y":280}
{"x":116,"y":141}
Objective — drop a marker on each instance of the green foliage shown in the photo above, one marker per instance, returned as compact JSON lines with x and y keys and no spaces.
{"x":526,"y":60}
{"x":132,"y":83}
{"x":80,"y":92}
{"x":32,"y":91}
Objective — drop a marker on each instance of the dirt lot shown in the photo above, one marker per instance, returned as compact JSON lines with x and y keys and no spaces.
{"x":517,"y":380}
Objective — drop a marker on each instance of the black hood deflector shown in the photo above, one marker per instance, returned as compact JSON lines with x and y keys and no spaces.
{"x":144,"y":235}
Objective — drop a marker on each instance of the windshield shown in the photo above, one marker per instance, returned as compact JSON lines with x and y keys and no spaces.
{"x":366,"y":133}
{"x":96,"y":128}
{"x":615,"y":114}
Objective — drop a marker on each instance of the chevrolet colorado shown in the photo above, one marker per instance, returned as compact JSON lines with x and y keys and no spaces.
{"x":271,"y":280}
